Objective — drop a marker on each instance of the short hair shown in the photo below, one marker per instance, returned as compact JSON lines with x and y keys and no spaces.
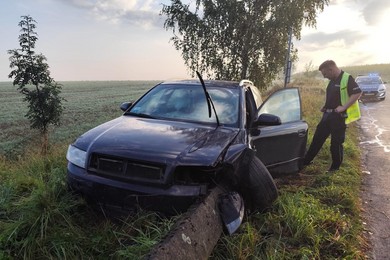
{"x":327,"y":64}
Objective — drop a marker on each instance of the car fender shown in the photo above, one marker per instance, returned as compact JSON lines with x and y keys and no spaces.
{"x":236,"y":162}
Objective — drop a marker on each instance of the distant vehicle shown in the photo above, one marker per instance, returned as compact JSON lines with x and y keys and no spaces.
{"x":372,"y":86}
{"x":170,"y":147}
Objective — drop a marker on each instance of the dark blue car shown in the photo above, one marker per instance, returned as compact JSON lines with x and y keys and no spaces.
{"x":180,"y":139}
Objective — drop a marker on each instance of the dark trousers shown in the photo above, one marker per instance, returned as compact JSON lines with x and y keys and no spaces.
{"x":332,"y":124}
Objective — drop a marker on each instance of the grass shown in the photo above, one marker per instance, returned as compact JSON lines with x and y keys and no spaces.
{"x":40,"y":219}
{"x":317,"y":215}
{"x":88,"y":104}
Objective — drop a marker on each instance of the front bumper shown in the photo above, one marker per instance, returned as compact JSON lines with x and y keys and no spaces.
{"x":373,"y":95}
{"x":120,"y":194}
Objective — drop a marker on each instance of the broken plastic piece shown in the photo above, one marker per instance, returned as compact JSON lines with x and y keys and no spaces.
{"x":231,"y":209}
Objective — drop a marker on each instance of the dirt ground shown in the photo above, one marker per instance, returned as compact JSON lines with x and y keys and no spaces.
{"x":375,"y":193}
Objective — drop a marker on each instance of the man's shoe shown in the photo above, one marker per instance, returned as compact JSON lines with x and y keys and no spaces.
{"x":332,"y":170}
{"x":307,"y":163}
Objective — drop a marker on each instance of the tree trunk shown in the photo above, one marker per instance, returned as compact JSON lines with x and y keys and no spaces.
{"x":44,"y":141}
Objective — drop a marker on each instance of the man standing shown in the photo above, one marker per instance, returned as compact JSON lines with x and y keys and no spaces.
{"x":341,"y":107}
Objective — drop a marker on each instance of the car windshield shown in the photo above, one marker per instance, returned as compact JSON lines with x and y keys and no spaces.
{"x":188,"y":103}
{"x":369,"y":80}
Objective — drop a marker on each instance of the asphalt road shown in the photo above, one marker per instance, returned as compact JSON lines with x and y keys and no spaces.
{"x":375,"y":145}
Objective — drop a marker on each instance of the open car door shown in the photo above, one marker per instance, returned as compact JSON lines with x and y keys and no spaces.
{"x":281,"y":147}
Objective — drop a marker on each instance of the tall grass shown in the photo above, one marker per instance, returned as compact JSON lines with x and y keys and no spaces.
{"x":317,"y":214}
{"x":41,"y":219}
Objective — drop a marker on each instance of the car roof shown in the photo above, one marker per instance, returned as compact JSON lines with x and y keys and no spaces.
{"x":368,"y":76}
{"x":223,"y":84}
{"x":214,"y":83}
{"x":362,"y":77}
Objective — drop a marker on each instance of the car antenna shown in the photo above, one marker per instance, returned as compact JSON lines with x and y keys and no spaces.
{"x":208,"y":98}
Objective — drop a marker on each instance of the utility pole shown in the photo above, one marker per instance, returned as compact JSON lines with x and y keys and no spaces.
{"x":287,"y":69}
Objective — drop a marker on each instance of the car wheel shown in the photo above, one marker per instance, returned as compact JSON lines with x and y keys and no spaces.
{"x":260,"y":190}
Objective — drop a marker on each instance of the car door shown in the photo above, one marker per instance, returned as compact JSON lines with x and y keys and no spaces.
{"x":282,"y":147}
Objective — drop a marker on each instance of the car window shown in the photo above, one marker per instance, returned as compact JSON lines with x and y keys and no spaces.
{"x":188,"y":102}
{"x":284,"y":103}
{"x":368,"y":80}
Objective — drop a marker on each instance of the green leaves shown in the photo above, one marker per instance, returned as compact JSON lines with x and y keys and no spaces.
{"x":29,"y":68}
{"x":233,"y":40}
{"x":32,"y":77}
{"x":44,"y":106}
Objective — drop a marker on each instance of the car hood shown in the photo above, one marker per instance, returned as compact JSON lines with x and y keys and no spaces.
{"x":158,"y":141}
{"x":370,"y":87}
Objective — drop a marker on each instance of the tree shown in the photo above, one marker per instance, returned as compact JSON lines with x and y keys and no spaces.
{"x":32,"y":77}
{"x":310,"y":71}
{"x":233,"y":40}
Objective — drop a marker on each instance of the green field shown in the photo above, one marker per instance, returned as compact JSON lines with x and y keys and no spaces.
{"x":88,"y":103}
{"x":382,"y":69}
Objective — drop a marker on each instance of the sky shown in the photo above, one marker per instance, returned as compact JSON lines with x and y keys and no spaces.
{"x":125,"y":39}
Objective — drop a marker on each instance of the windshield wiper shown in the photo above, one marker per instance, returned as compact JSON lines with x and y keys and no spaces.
{"x":208,"y":98}
{"x":140,"y":115}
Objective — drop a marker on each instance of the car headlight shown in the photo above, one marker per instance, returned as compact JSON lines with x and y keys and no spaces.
{"x":382,"y":88}
{"x":76,"y":156}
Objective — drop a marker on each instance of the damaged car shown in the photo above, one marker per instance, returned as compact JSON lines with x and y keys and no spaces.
{"x":182,"y":138}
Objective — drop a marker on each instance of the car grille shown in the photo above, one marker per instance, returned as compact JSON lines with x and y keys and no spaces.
{"x":125,"y":169}
{"x":370,"y":92}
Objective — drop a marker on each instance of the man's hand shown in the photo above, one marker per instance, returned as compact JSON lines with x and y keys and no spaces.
{"x":340,"y":109}
{"x":351,"y":100}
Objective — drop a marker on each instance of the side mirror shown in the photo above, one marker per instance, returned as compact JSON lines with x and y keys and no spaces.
{"x":267,"y":120}
{"x":124,"y":106}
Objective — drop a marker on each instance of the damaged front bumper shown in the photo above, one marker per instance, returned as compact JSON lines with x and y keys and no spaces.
{"x":125,"y":195}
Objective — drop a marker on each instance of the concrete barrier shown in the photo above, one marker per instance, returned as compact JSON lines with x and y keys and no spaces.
{"x":195,"y":234}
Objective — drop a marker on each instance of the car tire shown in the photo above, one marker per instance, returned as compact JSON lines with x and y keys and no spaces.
{"x":260,"y":190}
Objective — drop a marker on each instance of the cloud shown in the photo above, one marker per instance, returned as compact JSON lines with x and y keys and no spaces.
{"x":374,"y":10}
{"x":140,"y":13}
{"x":321,"y":40}
{"x":80,"y":3}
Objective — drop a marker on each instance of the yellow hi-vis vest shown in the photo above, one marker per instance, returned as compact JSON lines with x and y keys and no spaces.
{"x":353,"y":112}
